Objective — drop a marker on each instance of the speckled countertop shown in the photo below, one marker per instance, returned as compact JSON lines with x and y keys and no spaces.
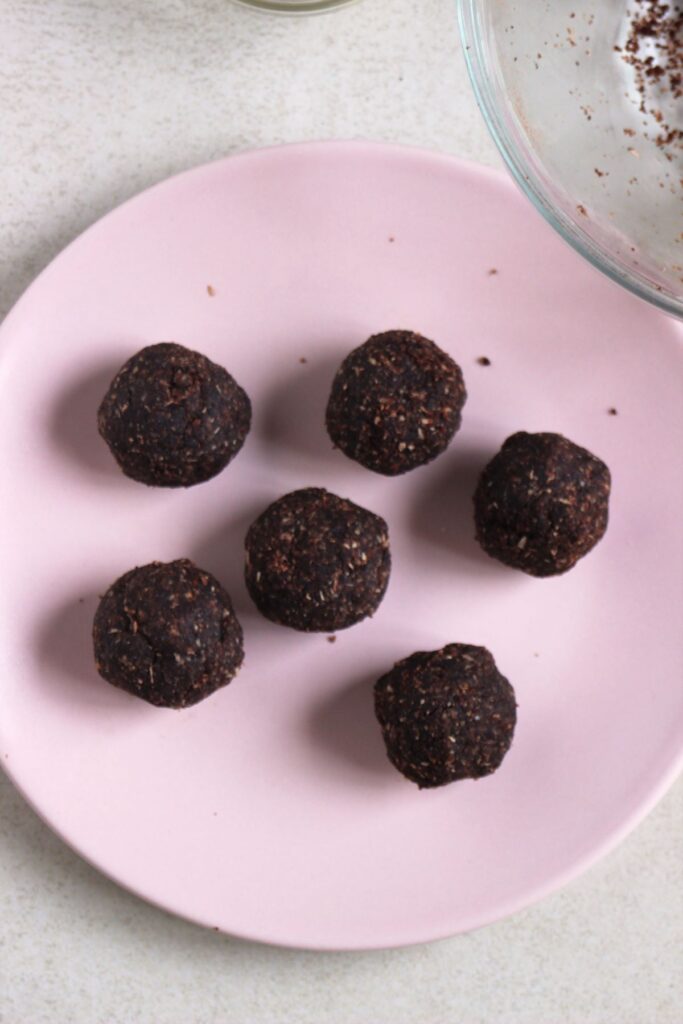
{"x":98,"y":100}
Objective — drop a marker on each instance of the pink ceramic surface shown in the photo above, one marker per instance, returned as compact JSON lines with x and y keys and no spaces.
{"x":270,"y":811}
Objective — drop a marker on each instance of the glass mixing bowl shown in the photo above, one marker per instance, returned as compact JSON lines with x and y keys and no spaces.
{"x":584,"y":100}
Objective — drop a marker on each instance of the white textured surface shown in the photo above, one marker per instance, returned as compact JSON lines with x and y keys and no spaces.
{"x":98,"y":100}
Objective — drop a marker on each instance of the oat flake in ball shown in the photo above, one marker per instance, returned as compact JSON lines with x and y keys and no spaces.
{"x":395,"y":403}
{"x":167,"y":632}
{"x":317,"y":562}
{"x":542,"y":503}
{"x":446,"y":715}
{"x":172,"y":417}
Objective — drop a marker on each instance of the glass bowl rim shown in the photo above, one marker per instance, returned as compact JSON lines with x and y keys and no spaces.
{"x":530,"y":183}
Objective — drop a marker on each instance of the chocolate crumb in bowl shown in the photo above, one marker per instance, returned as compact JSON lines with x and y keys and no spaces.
{"x":396,"y":402}
{"x":446,"y":715}
{"x":317,"y":562}
{"x":654,"y":49}
{"x":172,"y":417}
{"x":542,"y":503}
{"x":167,"y":632}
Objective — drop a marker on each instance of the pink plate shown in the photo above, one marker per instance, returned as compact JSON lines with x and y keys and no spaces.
{"x":270,"y":810}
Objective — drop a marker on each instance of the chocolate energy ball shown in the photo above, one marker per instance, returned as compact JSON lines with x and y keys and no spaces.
{"x":541,"y":503}
{"x":446,"y":715}
{"x":317,"y":562}
{"x":172,"y":418}
{"x":395,"y":403}
{"x":167,"y":632}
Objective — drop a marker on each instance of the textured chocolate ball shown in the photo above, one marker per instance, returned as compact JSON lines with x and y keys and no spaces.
{"x":446,"y":715}
{"x":396,"y":402}
{"x":317,"y":562}
{"x":173,"y":418}
{"x":542,"y":503}
{"x":167,"y":632}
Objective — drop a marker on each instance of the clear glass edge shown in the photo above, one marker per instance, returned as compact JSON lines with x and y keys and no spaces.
{"x":304,"y":7}
{"x":471,"y":37}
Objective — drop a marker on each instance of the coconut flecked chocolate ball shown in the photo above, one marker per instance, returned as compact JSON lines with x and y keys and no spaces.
{"x":173,"y":418}
{"x":446,"y":715}
{"x":396,"y":402}
{"x":542,"y":503}
{"x":317,"y":562}
{"x":167,"y":632}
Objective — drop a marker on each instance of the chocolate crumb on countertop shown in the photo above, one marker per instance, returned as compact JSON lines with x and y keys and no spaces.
{"x":317,"y":562}
{"x":446,"y":715}
{"x":484,"y":361}
{"x":613,"y":411}
{"x":167,"y":632}
{"x":173,"y":418}
{"x":395,"y":403}
{"x":541,"y":503}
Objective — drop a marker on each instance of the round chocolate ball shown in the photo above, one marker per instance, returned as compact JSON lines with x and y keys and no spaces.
{"x":317,"y":562}
{"x":396,"y":402}
{"x":446,"y":715}
{"x":541,"y":503}
{"x":167,"y":632}
{"x":172,"y":418}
